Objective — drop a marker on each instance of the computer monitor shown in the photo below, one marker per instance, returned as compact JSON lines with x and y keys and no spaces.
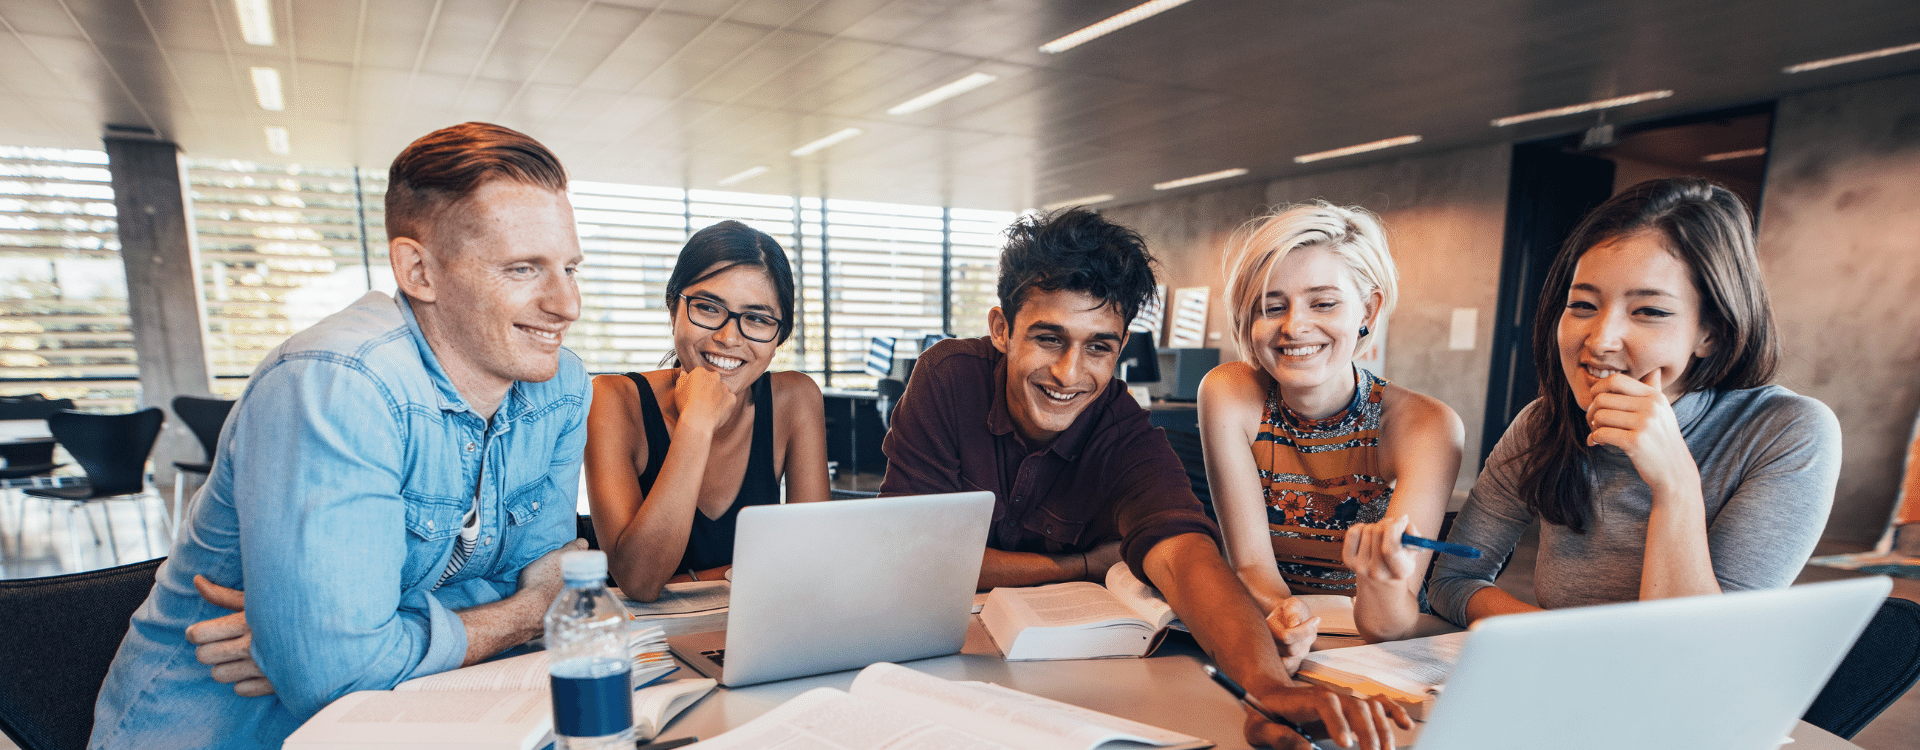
{"x":1138,"y":364}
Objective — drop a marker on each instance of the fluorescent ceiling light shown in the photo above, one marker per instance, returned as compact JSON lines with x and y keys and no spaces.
{"x":1357,"y":149}
{"x":1725,"y":155}
{"x":830,"y":140}
{"x":1618,"y":101}
{"x":1199,"y":178}
{"x":1085,"y":200}
{"x":744,"y":175}
{"x":256,"y":21}
{"x":1119,"y":21}
{"x":266,"y":89}
{"x":1854,"y":58}
{"x":949,"y":91}
{"x":277,"y":140}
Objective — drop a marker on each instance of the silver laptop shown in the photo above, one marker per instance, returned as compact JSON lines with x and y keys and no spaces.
{"x":822,"y":587}
{"x":1731,"y":672}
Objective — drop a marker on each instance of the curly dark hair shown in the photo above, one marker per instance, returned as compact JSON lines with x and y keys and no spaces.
{"x":1075,"y":250}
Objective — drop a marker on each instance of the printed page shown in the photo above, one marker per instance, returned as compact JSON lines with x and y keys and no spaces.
{"x":682,"y":599}
{"x":655,"y":706}
{"x":1145,"y":601}
{"x":379,"y":719}
{"x":1068,"y":604}
{"x":1413,"y":667}
{"x":1006,"y":715}
{"x":827,"y":719}
{"x":523,"y":672}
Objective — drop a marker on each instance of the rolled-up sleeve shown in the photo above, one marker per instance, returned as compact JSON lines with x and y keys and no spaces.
{"x":323,"y":531}
{"x":1154,"y":501}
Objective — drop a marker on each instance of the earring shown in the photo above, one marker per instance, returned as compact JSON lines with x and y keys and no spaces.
{"x":1364,"y":332}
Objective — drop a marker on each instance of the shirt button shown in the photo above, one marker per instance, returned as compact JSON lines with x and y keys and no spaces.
{"x":469,"y":447}
{"x":429,"y":525}
{"x":536,"y":505}
{"x":489,"y":539}
{"x":1018,"y":499}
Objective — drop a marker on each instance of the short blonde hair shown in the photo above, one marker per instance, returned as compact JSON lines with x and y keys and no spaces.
{"x":1350,"y":232}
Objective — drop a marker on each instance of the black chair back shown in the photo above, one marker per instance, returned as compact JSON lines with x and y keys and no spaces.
{"x":58,"y":635}
{"x":32,"y":407}
{"x":1882,"y":665}
{"x":839,"y":494}
{"x":111,"y":448}
{"x":205,"y":416}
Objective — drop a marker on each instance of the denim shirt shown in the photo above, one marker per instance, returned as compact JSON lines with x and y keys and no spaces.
{"x":336,"y":500}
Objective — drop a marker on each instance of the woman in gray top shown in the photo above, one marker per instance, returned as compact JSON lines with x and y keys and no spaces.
{"x":1660,"y":461}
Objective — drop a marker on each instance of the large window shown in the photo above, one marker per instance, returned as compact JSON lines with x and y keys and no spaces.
{"x":282,"y":246}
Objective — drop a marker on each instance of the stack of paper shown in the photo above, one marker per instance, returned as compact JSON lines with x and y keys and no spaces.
{"x":693,"y":607}
{"x":1410,"y":672}
{"x":651,"y":660}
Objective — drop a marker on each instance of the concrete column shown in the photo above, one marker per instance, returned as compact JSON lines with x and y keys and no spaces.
{"x":162,"y":259}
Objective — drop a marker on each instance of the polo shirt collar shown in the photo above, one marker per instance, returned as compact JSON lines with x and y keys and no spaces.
{"x":1068,"y":443}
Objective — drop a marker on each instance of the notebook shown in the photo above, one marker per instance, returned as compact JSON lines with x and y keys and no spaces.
{"x":822,"y":587}
{"x":1731,"y":672}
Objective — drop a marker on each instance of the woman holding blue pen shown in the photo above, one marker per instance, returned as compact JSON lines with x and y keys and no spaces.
{"x":1301,"y":443}
{"x":1658,"y":459}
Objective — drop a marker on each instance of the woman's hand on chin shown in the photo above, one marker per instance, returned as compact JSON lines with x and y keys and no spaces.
{"x":1635,"y":416}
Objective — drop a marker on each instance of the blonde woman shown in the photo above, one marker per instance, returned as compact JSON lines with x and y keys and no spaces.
{"x":1302,"y":444}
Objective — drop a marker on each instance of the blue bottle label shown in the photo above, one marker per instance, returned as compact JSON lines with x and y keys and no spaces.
{"x":592,"y":706}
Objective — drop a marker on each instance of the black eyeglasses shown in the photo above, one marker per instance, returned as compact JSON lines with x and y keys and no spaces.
{"x":713,"y":316}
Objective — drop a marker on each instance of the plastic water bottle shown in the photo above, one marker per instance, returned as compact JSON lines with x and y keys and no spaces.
{"x":587,"y":658}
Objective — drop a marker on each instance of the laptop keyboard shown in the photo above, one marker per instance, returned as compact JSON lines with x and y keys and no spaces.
{"x":717,"y":655}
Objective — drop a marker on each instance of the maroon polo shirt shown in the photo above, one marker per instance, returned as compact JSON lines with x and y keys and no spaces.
{"x":1110,"y":475}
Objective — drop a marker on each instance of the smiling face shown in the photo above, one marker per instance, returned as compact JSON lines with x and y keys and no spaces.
{"x":504,"y":292}
{"x":1632,"y":309}
{"x":738,"y":359}
{"x":1309,"y":322}
{"x":1061,"y":349}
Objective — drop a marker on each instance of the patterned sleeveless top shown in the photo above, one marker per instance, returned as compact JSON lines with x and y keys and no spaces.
{"x":1321,"y":476}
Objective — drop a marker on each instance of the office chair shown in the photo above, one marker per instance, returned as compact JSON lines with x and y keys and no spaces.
{"x":205,"y":417}
{"x":850,"y":494}
{"x":890,"y":392}
{"x":58,"y":635}
{"x":113,"y":450}
{"x":1882,"y":665}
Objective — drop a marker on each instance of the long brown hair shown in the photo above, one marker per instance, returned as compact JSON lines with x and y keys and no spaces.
{"x":1705,"y":226}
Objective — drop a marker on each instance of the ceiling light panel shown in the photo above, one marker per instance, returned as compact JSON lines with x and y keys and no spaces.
{"x":744,"y":175}
{"x":1199,"y":178}
{"x":827,"y":142}
{"x":277,"y":141}
{"x":1356,"y":149}
{"x":266,"y":89}
{"x":1844,"y":59}
{"x":1085,"y":200}
{"x":1115,"y":23}
{"x":1729,"y":155}
{"x":1618,"y":101}
{"x":970,"y":82}
{"x":256,"y":21}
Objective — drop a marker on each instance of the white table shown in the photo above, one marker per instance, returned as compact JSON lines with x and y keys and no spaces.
{"x":1167,"y":690}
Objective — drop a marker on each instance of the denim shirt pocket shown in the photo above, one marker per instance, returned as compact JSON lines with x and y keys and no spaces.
{"x":531,"y":508}
{"x":432,"y":522}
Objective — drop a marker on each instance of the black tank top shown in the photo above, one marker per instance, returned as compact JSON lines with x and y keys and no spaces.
{"x":710,"y":542}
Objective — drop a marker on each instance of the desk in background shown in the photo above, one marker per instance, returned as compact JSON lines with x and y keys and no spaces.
{"x":1167,"y":690}
{"x":854,"y":431}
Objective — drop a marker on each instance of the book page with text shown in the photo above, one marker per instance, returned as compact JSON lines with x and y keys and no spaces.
{"x":1059,"y":604}
{"x":523,"y":672}
{"x":1006,"y":715}
{"x":827,"y":719}
{"x":1145,"y":601}
{"x":1414,"y":667}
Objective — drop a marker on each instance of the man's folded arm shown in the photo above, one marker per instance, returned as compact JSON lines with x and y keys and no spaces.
{"x":323,"y":542}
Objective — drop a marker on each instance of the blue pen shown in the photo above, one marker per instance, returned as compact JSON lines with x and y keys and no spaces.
{"x":1457,"y":550}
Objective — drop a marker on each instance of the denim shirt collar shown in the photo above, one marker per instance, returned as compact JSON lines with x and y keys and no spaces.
{"x":511,"y":405}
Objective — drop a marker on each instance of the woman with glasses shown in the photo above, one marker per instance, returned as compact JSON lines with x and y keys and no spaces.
{"x":674,"y":454}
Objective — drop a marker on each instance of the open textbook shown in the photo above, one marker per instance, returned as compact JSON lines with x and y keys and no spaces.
{"x":1078,"y":620}
{"x":890,"y":707}
{"x":1410,"y":672}
{"x":504,"y":705}
{"x":1336,"y":629}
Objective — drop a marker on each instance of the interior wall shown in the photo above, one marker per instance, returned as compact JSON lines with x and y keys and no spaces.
{"x":1840,"y":247}
{"x":1445,"y":216}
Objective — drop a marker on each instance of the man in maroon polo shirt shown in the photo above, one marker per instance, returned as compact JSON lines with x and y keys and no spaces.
{"x":1080,"y":479}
